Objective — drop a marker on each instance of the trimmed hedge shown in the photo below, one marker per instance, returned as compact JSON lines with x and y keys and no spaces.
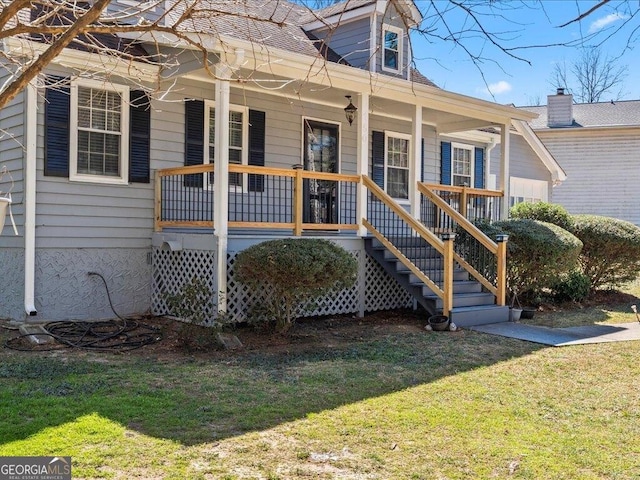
{"x":537,"y":253}
{"x":289,"y":272}
{"x":611,"y":253}
{"x":543,"y":212}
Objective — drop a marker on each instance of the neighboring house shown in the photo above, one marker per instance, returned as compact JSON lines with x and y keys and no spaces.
{"x":118,"y":179}
{"x":597,"y":145}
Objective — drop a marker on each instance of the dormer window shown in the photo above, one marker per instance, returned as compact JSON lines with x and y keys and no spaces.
{"x":391,"y":48}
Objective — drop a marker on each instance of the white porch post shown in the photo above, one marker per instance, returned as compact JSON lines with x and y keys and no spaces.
{"x":221,"y":182}
{"x":415,"y":167}
{"x":362,"y":168}
{"x":505,"y":141}
{"x":362,"y":158}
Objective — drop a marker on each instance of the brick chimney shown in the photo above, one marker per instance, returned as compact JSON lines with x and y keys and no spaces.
{"x":559,"y":109}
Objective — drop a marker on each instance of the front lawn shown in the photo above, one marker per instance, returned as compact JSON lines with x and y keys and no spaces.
{"x":347,"y":399}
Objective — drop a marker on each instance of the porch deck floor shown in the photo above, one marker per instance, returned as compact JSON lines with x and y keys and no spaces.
{"x":559,"y":337}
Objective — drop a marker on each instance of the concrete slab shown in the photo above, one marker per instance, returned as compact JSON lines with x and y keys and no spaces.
{"x":36,"y":334}
{"x":558,"y":337}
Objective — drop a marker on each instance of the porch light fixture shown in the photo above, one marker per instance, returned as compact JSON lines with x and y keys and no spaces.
{"x":350,"y":110}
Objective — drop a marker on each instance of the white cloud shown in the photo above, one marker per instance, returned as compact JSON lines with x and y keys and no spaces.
{"x":604,"y":21}
{"x":496,"y":88}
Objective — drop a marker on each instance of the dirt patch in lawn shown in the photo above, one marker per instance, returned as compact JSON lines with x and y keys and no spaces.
{"x":306,"y":334}
{"x":314,"y":333}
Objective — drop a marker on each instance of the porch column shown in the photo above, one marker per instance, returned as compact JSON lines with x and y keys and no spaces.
{"x":362,"y":159}
{"x":505,"y":141}
{"x":415,"y":165}
{"x":221,"y":182}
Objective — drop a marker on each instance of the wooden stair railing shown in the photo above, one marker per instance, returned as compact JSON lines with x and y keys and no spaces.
{"x":445,"y":248}
{"x":497,"y":249}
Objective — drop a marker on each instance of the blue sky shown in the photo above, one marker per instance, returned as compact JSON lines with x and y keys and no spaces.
{"x":513,"y":81}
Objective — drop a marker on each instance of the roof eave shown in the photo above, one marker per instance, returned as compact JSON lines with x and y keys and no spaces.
{"x":350,"y":78}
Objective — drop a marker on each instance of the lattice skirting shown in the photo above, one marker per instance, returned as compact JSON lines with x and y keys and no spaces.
{"x":382,"y":291}
{"x":173,"y":270}
{"x":374,"y":289}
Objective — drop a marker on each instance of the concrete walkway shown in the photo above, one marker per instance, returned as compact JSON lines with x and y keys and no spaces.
{"x":559,"y":337}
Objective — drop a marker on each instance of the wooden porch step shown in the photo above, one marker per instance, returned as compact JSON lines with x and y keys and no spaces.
{"x":459,"y":286}
{"x":479,"y":315}
{"x":465,"y":299}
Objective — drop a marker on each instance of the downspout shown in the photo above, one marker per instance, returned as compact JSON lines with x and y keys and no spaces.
{"x":30,"y":200}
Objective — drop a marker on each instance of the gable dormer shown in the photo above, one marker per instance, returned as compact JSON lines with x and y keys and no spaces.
{"x":368,"y":34}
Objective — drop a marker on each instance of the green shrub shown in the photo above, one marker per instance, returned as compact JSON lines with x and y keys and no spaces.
{"x":537,"y":253}
{"x":193,"y":304}
{"x":290,"y":272}
{"x":574,"y":286}
{"x":543,"y":212}
{"x":611,"y":253}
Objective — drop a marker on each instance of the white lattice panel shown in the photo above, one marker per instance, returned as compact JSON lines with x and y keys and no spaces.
{"x":240,"y":299}
{"x":172,"y":270}
{"x":383,"y":292}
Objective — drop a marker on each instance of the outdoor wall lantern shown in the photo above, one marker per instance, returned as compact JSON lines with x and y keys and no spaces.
{"x":350,"y":110}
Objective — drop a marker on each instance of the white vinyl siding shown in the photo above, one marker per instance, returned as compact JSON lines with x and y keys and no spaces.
{"x":99,"y":145}
{"x":602,"y":171}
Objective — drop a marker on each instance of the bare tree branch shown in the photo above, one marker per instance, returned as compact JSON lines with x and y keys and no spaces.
{"x":53,"y":51}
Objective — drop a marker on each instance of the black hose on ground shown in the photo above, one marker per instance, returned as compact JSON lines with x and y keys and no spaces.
{"x":121,"y":334}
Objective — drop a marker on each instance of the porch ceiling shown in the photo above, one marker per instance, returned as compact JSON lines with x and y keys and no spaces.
{"x":306,"y":90}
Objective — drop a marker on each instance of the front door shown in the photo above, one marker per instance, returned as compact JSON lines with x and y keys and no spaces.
{"x":320,"y":155}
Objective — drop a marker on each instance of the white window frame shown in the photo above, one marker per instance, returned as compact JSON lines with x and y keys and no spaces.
{"x":403,"y":136}
{"x":211,"y":105}
{"x":123,"y":91}
{"x":472,"y":161}
{"x":398,"y":31}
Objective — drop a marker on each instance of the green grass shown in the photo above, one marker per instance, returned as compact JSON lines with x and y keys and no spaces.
{"x":411,"y":405}
{"x":603,"y":312}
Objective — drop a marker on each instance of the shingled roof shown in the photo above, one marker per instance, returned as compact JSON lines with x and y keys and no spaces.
{"x":274,"y":23}
{"x":624,"y":113}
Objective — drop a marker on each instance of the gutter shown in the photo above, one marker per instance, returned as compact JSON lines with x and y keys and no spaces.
{"x":29,"y":190}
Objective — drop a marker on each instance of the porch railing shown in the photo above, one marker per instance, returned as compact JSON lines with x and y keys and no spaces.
{"x":483,"y":258}
{"x":258,"y":197}
{"x":417,"y":247}
{"x":472,"y":203}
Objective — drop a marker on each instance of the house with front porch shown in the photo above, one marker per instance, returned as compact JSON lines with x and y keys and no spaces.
{"x":297,"y":123}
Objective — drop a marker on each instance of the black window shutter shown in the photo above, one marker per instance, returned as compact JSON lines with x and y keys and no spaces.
{"x":56,"y":113}
{"x":445,"y":163}
{"x":478,"y":181}
{"x":377,"y":157}
{"x":139,"y":137}
{"x":257,"y":124}
{"x":193,"y":139}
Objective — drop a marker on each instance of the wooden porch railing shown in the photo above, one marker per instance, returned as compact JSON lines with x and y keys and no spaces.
{"x":259,"y":197}
{"x":472,"y":203}
{"x":483,"y":258}
{"x":299,"y":200}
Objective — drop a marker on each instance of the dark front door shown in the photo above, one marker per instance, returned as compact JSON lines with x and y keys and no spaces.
{"x":320,"y":155}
